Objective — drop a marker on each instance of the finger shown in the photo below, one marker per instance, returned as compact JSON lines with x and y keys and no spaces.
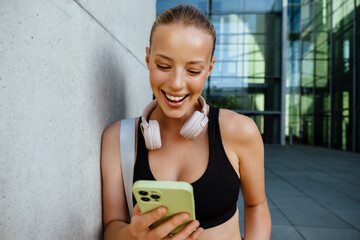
{"x":145,"y":220}
{"x":189,"y":230}
{"x":137,"y":210}
{"x":196,"y":234}
{"x":165,"y":228}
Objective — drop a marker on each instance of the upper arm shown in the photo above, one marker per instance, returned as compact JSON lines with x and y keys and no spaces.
{"x":251,"y":165}
{"x":247,"y":144}
{"x":114,"y":199}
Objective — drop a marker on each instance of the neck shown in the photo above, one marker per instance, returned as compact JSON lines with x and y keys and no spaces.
{"x":172,"y":125}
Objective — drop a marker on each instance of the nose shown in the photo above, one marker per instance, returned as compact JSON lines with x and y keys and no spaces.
{"x":177,"y":80}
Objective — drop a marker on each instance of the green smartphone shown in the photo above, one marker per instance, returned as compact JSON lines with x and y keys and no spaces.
{"x":177,"y":197}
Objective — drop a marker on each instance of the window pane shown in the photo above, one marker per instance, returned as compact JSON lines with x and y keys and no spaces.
{"x":307,"y":132}
{"x":322,"y":16}
{"x":307,"y":44}
{"x":342,"y":53}
{"x":227,"y":6}
{"x":294,"y":18}
{"x":342,"y":130}
{"x":307,"y":73}
{"x":306,"y":16}
{"x":271,"y":129}
{"x":322,"y":126}
{"x":293,"y":71}
{"x":307,"y":101}
{"x":322,"y":38}
{"x":263,"y":5}
{"x":342,"y":13}
{"x":292,"y":115}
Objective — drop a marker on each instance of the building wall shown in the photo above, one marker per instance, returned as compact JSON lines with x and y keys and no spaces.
{"x":323,"y":80}
{"x":247,"y":74}
{"x":67,"y":70}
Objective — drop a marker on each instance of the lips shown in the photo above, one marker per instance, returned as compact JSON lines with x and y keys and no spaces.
{"x":175,"y":99}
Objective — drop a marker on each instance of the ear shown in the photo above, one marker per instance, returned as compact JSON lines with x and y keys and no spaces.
{"x":147,"y":57}
{"x":211,"y":65}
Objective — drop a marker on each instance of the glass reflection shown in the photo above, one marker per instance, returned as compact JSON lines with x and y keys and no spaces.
{"x":321,"y":75}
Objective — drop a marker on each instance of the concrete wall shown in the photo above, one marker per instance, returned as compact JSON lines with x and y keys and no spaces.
{"x":67,"y":70}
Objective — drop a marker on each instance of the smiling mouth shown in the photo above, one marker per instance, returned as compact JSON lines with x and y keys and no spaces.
{"x":175,"y":99}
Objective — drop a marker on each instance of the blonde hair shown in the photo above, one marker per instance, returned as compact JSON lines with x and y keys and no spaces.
{"x":188,"y":15}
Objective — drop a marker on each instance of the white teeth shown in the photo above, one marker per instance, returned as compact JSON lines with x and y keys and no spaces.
{"x":175,"y":99}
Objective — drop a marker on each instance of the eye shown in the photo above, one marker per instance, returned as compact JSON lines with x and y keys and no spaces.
{"x":162,"y":67}
{"x":194,"y":72}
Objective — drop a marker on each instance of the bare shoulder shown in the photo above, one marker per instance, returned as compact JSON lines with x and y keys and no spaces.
{"x":239,"y":128}
{"x":110,"y":142}
{"x":112,"y":131}
{"x":111,"y":139}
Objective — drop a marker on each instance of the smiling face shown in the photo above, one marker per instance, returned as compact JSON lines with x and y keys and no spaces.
{"x":179,"y":63}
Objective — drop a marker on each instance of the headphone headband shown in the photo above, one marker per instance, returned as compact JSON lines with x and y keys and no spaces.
{"x":149,"y":108}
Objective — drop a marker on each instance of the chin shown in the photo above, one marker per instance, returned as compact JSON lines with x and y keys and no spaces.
{"x":176,"y":114}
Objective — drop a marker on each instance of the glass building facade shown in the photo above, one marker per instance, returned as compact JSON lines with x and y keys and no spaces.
{"x":322,"y":85}
{"x":292,"y":66}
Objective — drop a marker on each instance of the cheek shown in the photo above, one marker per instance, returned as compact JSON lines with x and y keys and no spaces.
{"x":157,"y":78}
{"x":198,"y":84}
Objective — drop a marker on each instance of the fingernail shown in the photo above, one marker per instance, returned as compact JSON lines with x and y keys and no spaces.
{"x":196,"y":224}
{"x":161,"y":210}
{"x":186,"y":216}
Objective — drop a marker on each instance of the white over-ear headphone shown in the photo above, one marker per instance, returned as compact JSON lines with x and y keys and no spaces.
{"x":190,"y":130}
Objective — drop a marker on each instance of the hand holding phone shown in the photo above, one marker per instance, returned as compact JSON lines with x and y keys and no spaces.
{"x":177,"y":197}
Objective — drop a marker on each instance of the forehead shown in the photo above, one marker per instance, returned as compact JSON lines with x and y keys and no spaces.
{"x":178,"y":40}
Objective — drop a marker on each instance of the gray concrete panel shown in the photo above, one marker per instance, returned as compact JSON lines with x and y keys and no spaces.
{"x":63,"y":79}
{"x":142,"y":14}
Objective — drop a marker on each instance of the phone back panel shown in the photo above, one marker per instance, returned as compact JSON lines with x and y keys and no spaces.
{"x":177,"y":197}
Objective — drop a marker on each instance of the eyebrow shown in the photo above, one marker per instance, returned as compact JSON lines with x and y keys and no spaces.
{"x":163,"y":56}
{"x":168,"y":58}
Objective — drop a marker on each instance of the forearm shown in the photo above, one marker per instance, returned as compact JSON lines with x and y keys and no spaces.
{"x":116,"y":230}
{"x":257,"y":222}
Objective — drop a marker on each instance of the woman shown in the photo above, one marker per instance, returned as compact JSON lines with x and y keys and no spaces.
{"x":226,"y":154}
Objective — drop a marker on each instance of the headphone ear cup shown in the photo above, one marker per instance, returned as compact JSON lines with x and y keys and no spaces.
{"x":152,"y":135}
{"x":194,"y":125}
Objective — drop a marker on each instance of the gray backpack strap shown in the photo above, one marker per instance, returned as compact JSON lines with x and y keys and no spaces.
{"x":127,"y":154}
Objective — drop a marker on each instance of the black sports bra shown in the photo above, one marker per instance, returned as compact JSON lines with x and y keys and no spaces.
{"x":216,"y":191}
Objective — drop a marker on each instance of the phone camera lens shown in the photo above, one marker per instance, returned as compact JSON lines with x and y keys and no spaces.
{"x":145,"y":199}
{"x":143,"y":193}
{"x":155,"y":196}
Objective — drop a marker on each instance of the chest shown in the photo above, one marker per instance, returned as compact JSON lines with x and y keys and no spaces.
{"x":204,"y":163}
{"x":180,"y":160}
